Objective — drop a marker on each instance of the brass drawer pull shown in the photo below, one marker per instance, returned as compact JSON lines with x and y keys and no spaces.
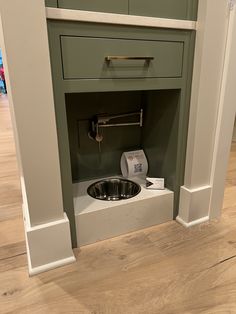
{"x":110,"y":58}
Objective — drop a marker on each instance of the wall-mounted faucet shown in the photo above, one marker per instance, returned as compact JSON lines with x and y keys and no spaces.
{"x":101,"y":121}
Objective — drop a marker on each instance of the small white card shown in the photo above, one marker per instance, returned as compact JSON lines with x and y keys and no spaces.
{"x":155,"y":183}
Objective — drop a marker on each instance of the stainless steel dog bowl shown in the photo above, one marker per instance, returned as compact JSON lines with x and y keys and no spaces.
{"x":113,"y":189}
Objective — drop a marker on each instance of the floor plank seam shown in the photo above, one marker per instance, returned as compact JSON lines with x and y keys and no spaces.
{"x":223,"y":261}
{"x":9,"y":257}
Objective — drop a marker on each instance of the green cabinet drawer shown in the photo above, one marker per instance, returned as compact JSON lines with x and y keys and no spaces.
{"x":172,"y":9}
{"x":85,"y":58}
{"x":113,"y":6}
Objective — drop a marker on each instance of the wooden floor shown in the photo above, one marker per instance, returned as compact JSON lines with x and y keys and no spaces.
{"x":165,"y":269}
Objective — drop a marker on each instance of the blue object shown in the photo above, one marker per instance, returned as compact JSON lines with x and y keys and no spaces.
{"x":1,"y":58}
{"x":2,"y":90}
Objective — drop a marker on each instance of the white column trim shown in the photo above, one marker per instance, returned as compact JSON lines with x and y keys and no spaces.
{"x":225,"y":122}
{"x":212,"y":29}
{"x":24,"y":43}
{"x":122,"y":19}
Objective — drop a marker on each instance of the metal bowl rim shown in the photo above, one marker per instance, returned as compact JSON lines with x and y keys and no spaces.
{"x":119,"y":179}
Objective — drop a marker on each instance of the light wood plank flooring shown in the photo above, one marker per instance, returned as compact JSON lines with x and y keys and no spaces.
{"x":11,"y":223}
{"x":165,"y":269}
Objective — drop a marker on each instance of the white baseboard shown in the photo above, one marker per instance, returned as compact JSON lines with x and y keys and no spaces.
{"x":48,"y":246}
{"x":40,"y":269}
{"x":192,"y":223}
{"x":194,"y":205}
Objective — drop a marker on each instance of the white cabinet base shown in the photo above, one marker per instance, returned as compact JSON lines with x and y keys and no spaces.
{"x":98,"y":220}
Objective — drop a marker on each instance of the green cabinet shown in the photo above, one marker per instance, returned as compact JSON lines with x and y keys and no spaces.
{"x":113,"y":6}
{"x":51,"y":3}
{"x":172,"y":9}
{"x":86,"y":84}
{"x":94,"y":58}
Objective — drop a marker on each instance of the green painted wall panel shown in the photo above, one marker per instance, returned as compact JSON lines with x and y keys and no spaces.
{"x":87,"y":161}
{"x":160,"y":134}
{"x":172,"y":9}
{"x":113,"y":6}
{"x":175,"y":9}
{"x":168,"y":57}
{"x":51,"y":3}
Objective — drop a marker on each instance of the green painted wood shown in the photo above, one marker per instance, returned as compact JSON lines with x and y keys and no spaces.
{"x":168,"y":96}
{"x":51,"y":3}
{"x":113,"y":6}
{"x":172,"y":9}
{"x":167,"y":56}
{"x":184,"y":118}
{"x":86,"y":160}
{"x":160,"y":134}
{"x":72,"y":86}
{"x":62,"y":133}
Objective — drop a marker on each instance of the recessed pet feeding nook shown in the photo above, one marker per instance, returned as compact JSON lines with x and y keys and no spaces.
{"x":136,"y":134}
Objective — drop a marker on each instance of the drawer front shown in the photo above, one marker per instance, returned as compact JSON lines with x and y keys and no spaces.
{"x":113,"y":6}
{"x":85,"y":58}
{"x":172,"y":9}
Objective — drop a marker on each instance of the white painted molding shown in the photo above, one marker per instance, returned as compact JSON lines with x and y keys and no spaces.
{"x":122,"y":19}
{"x":32,"y":106}
{"x":226,"y":121}
{"x":47,"y":267}
{"x":194,"y":204}
{"x":207,"y":76}
{"x":48,"y":245}
{"x":211,"y":38}
{"x":30,"y":93}
{"x":192,"y":223}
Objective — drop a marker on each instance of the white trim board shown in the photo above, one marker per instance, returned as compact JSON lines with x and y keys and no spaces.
{"x":40,"y":269}
{"x":225,"y":122}
{"x":48,"y":245}
{"x":202,"y":191}
{"x":34,"y":125}
{"x":194,"y":204}
{"x":192,"y":223}
{"x":121,"y":19}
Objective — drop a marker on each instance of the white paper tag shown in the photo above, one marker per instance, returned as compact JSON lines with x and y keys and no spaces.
{"x":155,"y":183}
{"x":134,"y":164}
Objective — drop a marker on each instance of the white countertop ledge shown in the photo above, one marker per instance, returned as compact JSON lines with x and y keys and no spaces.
{"x":120,"y":19}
